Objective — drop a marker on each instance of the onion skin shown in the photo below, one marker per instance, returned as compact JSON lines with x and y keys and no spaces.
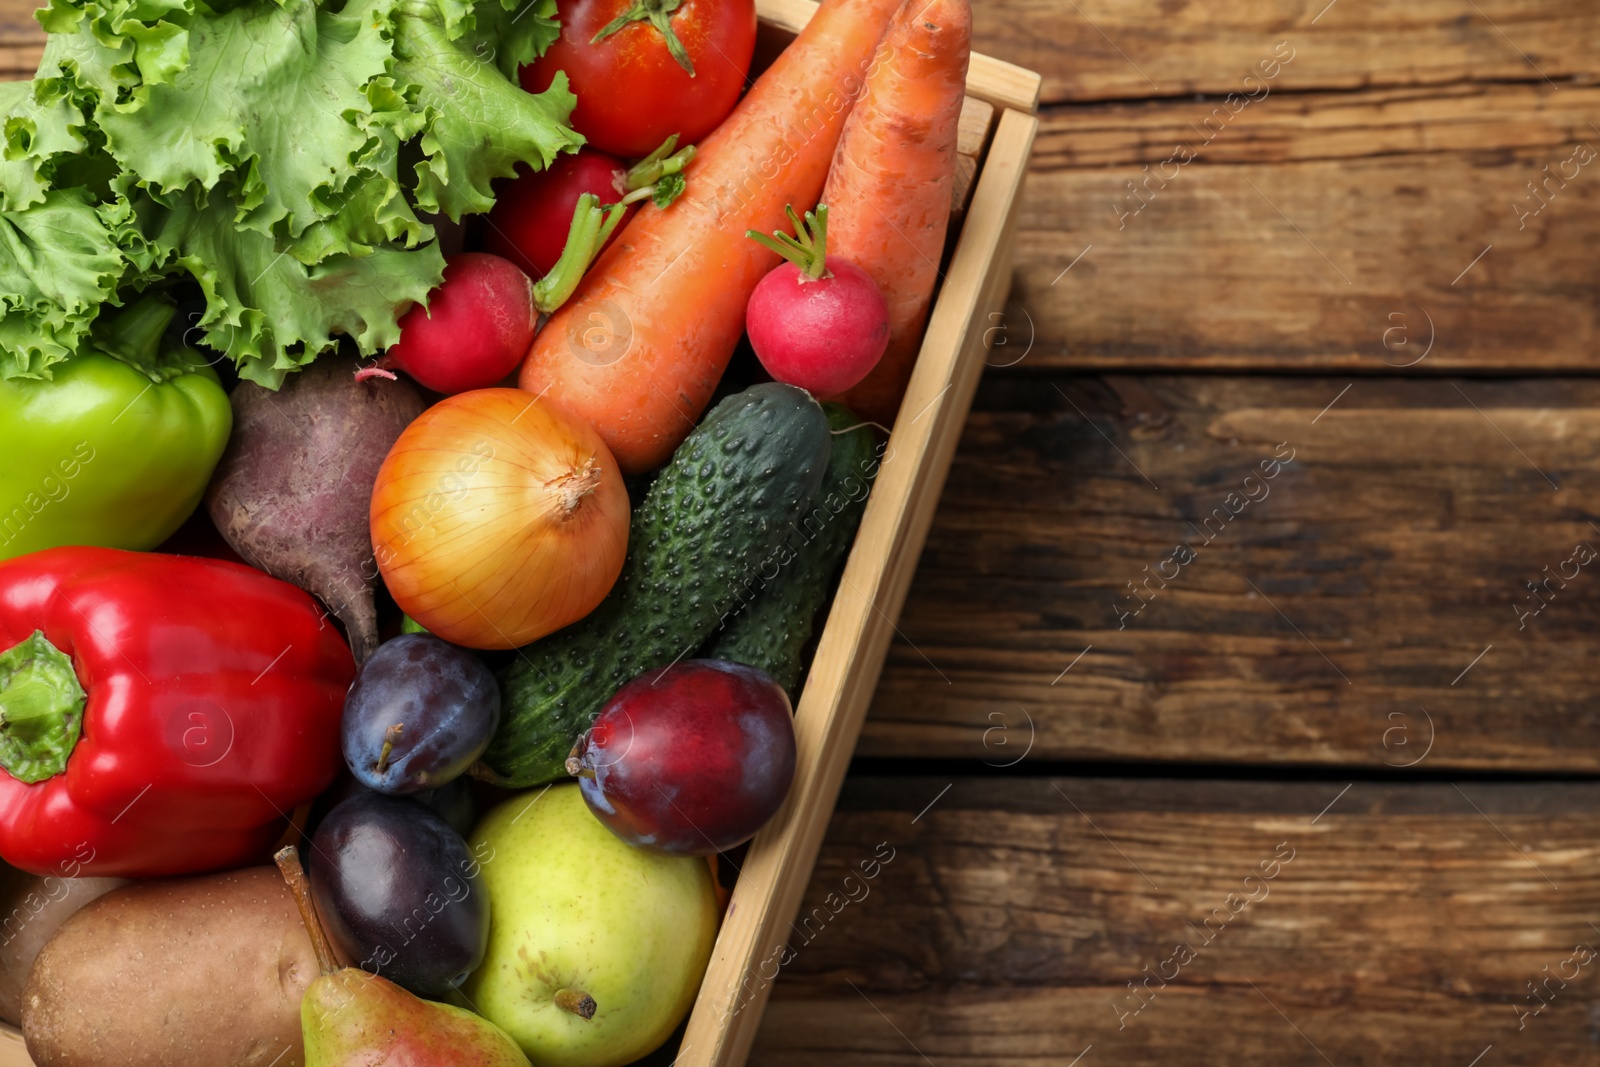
{"x":497,"y":520}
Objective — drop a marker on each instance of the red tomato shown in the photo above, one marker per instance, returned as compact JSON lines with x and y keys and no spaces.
{"x":632,"y":93}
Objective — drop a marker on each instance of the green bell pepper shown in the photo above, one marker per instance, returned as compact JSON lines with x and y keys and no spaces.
{"x":117,"y":447}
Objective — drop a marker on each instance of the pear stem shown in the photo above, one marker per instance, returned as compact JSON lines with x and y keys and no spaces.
{"x":577,"y":1002}
{"x":288,"y":860}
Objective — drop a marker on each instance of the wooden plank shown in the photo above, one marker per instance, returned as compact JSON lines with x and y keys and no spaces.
{"x":1131,"y":49}
{"x":872,"y":588}
{"x":1307,"y":222}
{"x":1402,"y":925}
{"x":21,"y":40}
{"x":1000,"y":83}
{"x":1343,"y":618}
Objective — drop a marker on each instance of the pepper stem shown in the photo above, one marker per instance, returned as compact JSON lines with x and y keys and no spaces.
{"x":659,"y":15}
{"x":288,"y":860}
{"x":41,"y":709}
{"x":133,"y":335}
{"x":808,"y":250}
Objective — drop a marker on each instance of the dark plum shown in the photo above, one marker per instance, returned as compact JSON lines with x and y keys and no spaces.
{"x":399,"y":893}
{"x":453,"y":801}
{"x":689,"y":760}
{"x":419,"y":714}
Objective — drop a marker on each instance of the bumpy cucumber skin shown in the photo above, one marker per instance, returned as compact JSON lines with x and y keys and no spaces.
{"x":729,"y":497}
{"x":771,"y":629}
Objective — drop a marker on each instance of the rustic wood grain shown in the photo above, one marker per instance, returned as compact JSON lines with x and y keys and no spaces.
{"x":1132,"y":49}
{"x":1330,"y":622}
{"x":21,"y":39}
{"x":1306,"y":221}
{"x":1015,"y":911}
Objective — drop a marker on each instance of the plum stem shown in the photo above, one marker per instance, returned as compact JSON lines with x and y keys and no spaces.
{"x":808,"y":249}
{"x":288,"y":860}
{"x":391,"y":737}
{"x":577,"y":1002}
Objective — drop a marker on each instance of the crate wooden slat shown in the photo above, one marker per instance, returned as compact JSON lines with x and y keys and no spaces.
{"x":873,"y":586}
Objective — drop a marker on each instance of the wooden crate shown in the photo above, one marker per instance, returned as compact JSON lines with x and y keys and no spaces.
{"x":997,"y":132}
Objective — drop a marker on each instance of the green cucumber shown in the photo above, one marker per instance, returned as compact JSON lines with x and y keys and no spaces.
{"x":778,"y":610}
{"x":729,"y":497}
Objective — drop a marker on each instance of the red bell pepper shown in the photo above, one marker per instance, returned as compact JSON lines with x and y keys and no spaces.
{"x":158,"y":714}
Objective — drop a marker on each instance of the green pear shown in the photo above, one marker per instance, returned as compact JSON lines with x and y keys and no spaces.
{"x":596,"y":948}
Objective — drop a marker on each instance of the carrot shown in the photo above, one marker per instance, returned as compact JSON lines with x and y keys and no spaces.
{"x":641,"y":345}
{"x":888,"y":193}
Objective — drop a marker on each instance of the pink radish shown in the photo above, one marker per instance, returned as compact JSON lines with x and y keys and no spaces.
{"x":476,"y":328}
{"x":528,"y":224}
{"x":480,"y":320}
{"x":817,"y":321}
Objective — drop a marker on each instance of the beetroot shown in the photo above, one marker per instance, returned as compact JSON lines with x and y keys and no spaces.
{"x":689,"y":760}
{"x":817,"y":321}
{"x":294,"y":488}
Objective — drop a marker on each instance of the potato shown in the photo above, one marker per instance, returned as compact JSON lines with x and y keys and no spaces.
{"x":190,"y":972}
{"x":32,"y":908}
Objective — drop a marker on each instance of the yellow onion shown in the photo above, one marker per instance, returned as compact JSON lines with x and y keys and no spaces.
{"x":497,"y":520}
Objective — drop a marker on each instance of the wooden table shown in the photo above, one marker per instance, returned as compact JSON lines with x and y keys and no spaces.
{"x":1224,"y":726}
{"x":1184,"y":760}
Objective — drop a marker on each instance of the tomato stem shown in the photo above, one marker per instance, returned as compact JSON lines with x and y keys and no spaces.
{"x":659,"y":14}
{"x":808,"y":249}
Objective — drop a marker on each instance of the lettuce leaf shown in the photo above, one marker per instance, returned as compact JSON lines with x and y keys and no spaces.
{"x":480,"y":123}
{"x":273,"y":313}
{"x":283,"y":156}
{"x":58,"y":265}
{"x":273,"y":93}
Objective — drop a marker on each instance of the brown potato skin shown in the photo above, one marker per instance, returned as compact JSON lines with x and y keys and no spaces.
{"x":188,"y":972}
{"x":32,"y":909}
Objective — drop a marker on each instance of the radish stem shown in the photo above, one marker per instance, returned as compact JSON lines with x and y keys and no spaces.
{"x":808,"y":249}
{"x":658,"y":164}
{"x":583,"y":240}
